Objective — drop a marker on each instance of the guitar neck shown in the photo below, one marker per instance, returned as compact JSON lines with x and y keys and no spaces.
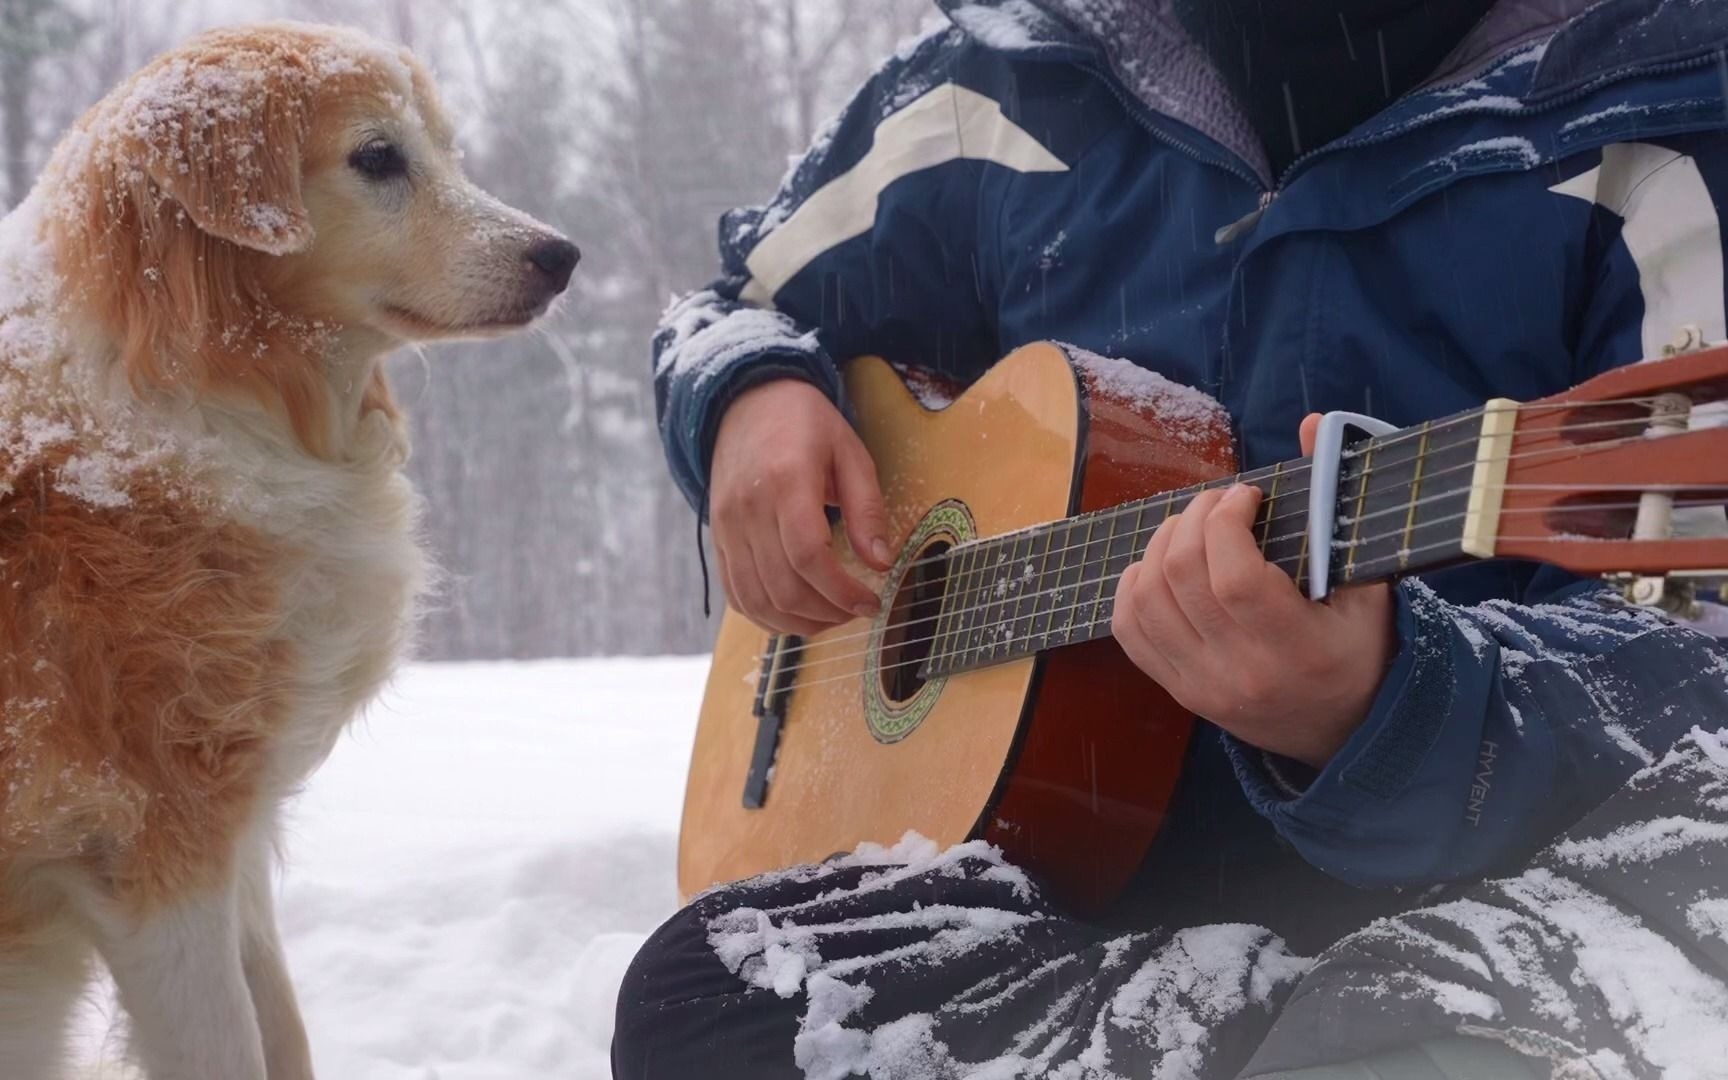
{"x":1402,"y":508}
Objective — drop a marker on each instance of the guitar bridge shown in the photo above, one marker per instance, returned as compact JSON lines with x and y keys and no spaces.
{"x":773,"y":690}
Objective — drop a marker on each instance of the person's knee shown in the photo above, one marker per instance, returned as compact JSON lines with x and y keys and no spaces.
{"x":682,"y":1013}
{"x":674,"y":967}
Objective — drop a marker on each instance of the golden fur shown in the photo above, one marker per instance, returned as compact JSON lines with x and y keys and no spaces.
{"x":207,"y":555}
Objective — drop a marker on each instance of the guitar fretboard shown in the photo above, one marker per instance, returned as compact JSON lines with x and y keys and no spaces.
{"x":1401,"y":507}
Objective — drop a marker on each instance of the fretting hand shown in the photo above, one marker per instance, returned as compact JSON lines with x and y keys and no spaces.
{"x":784,"y":454}
{"x":1234,"y":641}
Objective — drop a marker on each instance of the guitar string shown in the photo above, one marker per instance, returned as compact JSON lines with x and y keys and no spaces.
{"x":1426,"y":477}
{"x":1107,"y":576}
{"x":1069,"y":631}
{"x":1304,"y":468}
{"x":1007,"y":555}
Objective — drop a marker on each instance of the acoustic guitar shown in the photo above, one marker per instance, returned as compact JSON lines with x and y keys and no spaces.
{"x":986,"y":699}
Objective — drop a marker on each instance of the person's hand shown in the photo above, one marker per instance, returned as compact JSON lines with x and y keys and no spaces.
{"x":783,"y":455}
{"x":1233,"y":640}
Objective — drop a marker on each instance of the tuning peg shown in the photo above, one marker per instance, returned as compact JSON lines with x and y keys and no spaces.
{"x":1689,"y":339}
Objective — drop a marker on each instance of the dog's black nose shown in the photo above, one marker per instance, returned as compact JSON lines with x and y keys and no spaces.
{"x":556,"y":259}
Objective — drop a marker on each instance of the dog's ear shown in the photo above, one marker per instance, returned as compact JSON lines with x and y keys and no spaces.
{"x":224,"y":140}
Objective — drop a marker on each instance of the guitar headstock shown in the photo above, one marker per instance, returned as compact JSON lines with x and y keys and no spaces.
{"x":1591,"y":480}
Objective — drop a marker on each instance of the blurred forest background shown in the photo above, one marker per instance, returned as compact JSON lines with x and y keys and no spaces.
{"x":630,"y":124}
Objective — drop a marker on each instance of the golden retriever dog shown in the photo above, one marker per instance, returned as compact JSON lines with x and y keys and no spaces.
{"x":208,"y":555}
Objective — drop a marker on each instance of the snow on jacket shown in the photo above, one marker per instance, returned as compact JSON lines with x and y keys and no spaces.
{"x":1545,"y":209}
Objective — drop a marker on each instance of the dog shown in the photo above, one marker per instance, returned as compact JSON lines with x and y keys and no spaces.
{"x":208,"y":551}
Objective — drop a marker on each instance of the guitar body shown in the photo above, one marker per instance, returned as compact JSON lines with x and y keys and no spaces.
{"x":1065,"y":760}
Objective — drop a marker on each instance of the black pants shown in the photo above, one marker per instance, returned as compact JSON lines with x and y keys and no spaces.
{"x":932,"y":970}
{"x":1611,"y":945}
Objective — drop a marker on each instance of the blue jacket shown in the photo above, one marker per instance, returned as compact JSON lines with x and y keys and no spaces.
{"x":1541,"y":211}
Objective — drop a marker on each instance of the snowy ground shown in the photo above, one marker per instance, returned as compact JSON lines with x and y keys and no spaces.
{"x":471,"y":872}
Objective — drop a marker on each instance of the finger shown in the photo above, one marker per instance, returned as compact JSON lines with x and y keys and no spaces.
{"x":1186,"y":570}
{"x":808,"y":543}
{"x":1126,"y":628}
{"x":1252,"y":592}
{"x":751,"y":599}
{"x":789,"y":594}
{"x":860,"y":496}
{"x":1157,"y":614}
{"x":1309,"y":432}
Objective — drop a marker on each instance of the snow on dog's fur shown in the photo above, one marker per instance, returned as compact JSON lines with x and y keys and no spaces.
{"x":208,"y":557}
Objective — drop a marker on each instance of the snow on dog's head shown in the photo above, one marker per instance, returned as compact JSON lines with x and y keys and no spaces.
{"x":265,"y":208}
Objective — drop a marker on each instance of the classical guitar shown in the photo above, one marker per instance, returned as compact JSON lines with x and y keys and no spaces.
{"x":986,"y":700}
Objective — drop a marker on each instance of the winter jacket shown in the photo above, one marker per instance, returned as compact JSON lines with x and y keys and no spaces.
{"x":1544,"y":209}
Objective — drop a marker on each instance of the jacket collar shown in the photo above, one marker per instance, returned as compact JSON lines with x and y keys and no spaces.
{"x":1543,"y":48}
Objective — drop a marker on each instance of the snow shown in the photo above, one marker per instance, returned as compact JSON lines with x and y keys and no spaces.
{"x":1643,"y":842}
{"x":472,"y":871}
{"x":1506,"y":148}
{"x":1602,"y":114}
{"x":705,"y":333}
{"x":1675,"y":1014}
{"x":1171,"y":994}
{"x":1010,"y":25}
{"x":1191,"y":415}
{"x":45,"y":415}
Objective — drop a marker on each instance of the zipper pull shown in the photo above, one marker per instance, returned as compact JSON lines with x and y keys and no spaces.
{"x":1233,"y":232}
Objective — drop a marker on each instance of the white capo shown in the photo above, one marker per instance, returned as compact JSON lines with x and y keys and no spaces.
{"x":1323,"y":492}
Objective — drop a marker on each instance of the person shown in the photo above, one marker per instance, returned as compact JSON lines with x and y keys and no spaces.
{"x":1381,"y":206}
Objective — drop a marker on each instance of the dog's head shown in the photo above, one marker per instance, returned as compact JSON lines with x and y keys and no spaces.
{"x":267,"y":210}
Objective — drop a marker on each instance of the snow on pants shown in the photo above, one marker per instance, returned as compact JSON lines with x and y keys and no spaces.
{"x":1607,"y":957}
{"x":917,"y":966}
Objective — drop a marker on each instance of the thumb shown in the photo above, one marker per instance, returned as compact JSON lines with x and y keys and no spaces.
{"x":860,"y":497}
{"x":1310,"y":431}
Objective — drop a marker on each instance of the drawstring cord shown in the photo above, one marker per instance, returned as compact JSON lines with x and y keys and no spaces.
{"x":702,"y":557}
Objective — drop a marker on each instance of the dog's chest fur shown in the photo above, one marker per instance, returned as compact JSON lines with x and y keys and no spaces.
{"x":349,"y":570}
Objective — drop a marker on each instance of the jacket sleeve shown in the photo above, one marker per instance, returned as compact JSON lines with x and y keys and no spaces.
{"x":1502,"y":723}
{"x":871,"y":247}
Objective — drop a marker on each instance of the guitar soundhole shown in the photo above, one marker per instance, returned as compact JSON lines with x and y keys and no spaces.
{"x":911,"y":626}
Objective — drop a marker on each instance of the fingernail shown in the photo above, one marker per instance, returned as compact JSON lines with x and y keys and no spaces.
{"x":879,"y":548}
{"x":866,"y":610}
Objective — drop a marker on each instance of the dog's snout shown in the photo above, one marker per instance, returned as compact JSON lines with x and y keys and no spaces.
{"x":557,"y":260}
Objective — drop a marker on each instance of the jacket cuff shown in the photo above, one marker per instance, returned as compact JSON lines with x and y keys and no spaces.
{"x":726,"y":386}
{"x":1436,"y":690}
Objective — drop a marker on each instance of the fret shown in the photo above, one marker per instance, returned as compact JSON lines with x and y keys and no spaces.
{"x":953,"y":605}
{"x":970,"y":618}
{"x":978,"y":610}
{"x":1006,"y":589}
{"x":1104,"y":579}
{"x":1415,"y":497}
{"x":1269,"y":507}
{"x":1087,"y":588}
{"x":1424,"y":530}
{"x":1119,"y":554}
{"x":1043,"y":604}
{"x":1287,"y":528}
{"x":1141,"y":538}
{"x":1065,"y":599}
{"x":1361,"y":508}
{"x":1031,"y":584}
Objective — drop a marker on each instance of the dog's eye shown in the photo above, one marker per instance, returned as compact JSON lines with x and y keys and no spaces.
{"x":379,"y":161}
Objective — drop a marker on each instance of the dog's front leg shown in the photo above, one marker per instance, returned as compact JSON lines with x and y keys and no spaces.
{"x":178,"y":970}
{"x":287,"y":1054}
